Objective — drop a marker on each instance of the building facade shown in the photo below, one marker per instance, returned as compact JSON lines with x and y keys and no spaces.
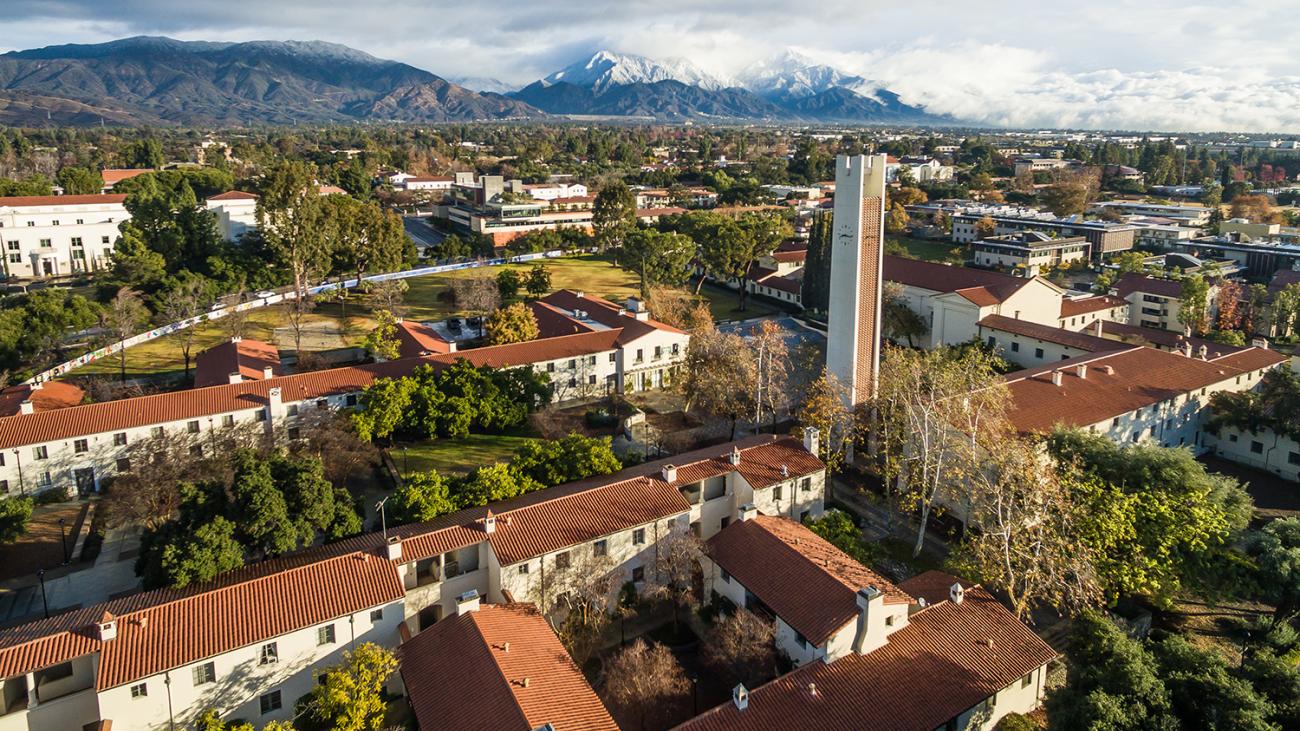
{"x":59,"y":235}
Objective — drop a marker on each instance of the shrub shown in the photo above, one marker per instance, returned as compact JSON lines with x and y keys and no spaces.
{"x":53,"y":495}
{"x":1016,"y":722}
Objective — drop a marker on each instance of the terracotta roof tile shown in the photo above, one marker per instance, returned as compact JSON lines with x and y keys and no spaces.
{"x":1135,"y":282}
{"x":233,"y":195}
{"x":246,"y":357}
{"x":808,"y":582}
{"x":1161,"y":338}
{"x":47,"y":397}
{"x":415,"y":339}
{"x":932,"y":586}
{"x":553,"y":322}
{"x":1084,"y":305}
{"x":606,"y":313}
{"x":1047,"y":333}
{"x":115,"y":175}
{"x":946,"y":660}
{"x":508,"y":661}
{"x":1138,"y":377}
{"x":993,"y":286}
{"x":28,"y":201}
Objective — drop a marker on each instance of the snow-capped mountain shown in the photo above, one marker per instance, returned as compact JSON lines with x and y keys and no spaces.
{"x":606,"y":68}
{"x":483,"y":84}
{"x":792,"y":75}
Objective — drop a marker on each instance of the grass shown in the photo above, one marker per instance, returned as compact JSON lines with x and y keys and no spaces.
{"x":456,"y":456}
{"x":926,"y":250}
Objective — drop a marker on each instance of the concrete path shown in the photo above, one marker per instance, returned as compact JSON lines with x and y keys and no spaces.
{"x":77,"y":585}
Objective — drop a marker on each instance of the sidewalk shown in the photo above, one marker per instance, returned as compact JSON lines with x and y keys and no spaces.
{"x":76,"y":585}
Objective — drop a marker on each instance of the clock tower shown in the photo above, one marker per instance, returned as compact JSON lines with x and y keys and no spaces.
{"x":857,"y":258}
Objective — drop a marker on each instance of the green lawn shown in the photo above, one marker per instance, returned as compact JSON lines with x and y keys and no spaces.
{"x":930,"y":250}
{"x":724,"y":304}
{"x":455,"y":456}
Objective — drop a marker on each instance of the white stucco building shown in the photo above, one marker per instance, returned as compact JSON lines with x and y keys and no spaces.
{"x":59,"y":235}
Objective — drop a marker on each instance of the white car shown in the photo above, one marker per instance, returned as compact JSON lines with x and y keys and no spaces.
{"x":265,"y":293}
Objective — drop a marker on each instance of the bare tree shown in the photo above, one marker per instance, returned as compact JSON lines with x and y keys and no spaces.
{"x":675,"y":570}
{"x":189,"y":298}
{"x":580,"y":598}
{"x":772,"y":371}
{"x":718,"y":376}
{"x":741,"y":648}
{"x":234,"y":323}
{"x":298,"y":309}
{"x":645,"y":687}
{"x":388,"y":295}
{"x":825,"y":408}
{"x":331,"y":436}
{"x":123,"y":318}
{"x":477,"y":294}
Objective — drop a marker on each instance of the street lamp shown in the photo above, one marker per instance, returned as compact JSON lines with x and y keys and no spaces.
{"x":63,"y":539}
{"x":45,"y":600}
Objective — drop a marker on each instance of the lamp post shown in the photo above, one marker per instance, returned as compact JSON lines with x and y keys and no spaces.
{"x":45,"y":600}
{"x":63,"y":539}
{"x":695,"y":696}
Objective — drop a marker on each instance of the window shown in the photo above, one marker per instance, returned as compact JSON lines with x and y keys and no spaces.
{"x":124,"y":464}
{"x":79,"y":222}
{"x":4,"y":487}
{"x":591,"y":360}
{"x":889,"y":621}
{"x":322,"y":403}
{"x":261,"y":414}
{"x":46,"y":480}
{"x":726,"y":577}
{"x":613,"y":357}
{"x":119,"y":439}
{"x":1257,"y":447}
{"x":325,"y":635}
{"x":638,"y":535}
{"x":292,"y":410}
{"x":550,"y":367}
{"x":600,"y":548}
{"x":192,"y":427}
{"x":591,"y":379}
{"x":228,"y":420}
{"x":55,"y":222}
{"x":805,"y":484}
{"x":803,"y":641}
{"x":76,"y":241}
{"x":523,"y":568}
{"x":778,"y":492}
{"x":351,"y":399}
{"x":41,"y":452}
{"x":295,"y":432}
{"x":140,"y":690}
{"x":205,"y":673}
{"x":196,"y":450}
{"x":13,"y":245}
{"x":376,"y":615}
{"x":640,"y":355}
{"x":573,"y":382}
{"x":1038,"y":352}
{"x":80,"y":446}
{"x":270,"y":654}
{"x":103,"y":240}
{"x":562,"y":560}
{"x":724,"y":522}
{"x":156,"y":432}
{"x":1293,"y":458}
{"x":659,"y":352}
{"x":573,"y":363}
{"x":270,"y":702}
{"x":15,"y":258}
{"x":638,"y":574}
{"x":1015,"y":346}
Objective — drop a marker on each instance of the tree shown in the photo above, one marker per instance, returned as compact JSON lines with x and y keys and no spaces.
{"x":492,"y":483}
{"x":1254,"y":208}
{"x":986,"y":227}
{"x":14,"y":514}
{"x":538,"y":282}
{"x":1206,"y":695}
{"x":508,"y":284}
{"x":125,"y":314}
{"x":825,"y":407}
{"x":350,"y":696}
{"x":898,"y":319}
{"x":190,"y":296}
{"x":388,"y":295}
{"x":675,"y":569}
{"x":772,"y":370}
{"x":210,"y":550}
{"x":1194,"y":304}
{"x":1276,"y":550}
{"x":815,"y":292}
{"x":1230,"y":298}
{"x":261,"y":510}
{"x":613,"y":215}
{"x":365,"y":237}
{"x":718,"y":376}
{"x":838,"y":528}
{"x":211,"y":720}
{"x":512,"y":324}
{"x":147,"y":153}
{"x":896,"y":219}
{"x":477,"y":293}
{"x":422,"y":496}
{"x":644,"y":686}
{"x":741,"y":648}
{"x":382,"y":342}
{"x":571,"y":458}
{"x":658,"y":258}
{"x":289,"y":219}
{"x":1114,"y":683}
{"x":79,"y":181}
{"x":1071,"y":193}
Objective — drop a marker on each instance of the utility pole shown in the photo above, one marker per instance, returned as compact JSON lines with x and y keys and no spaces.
{"x":383,"y":518}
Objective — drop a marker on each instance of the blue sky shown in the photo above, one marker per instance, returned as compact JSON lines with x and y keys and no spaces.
{"x":1107,"y":63}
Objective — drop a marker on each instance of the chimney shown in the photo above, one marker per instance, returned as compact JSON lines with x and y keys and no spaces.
{"x":1081,"y":370}
{"x":394,"y":548}
{"x":785,"y":471}
{"x":956,"y":593}
{"x":489,"y":522}
{"x":1259,"y":343}
{"x":107,"y":627}
{"x":267,"y":373}
{"x":748,"y":511}
{"x":735,"y":456}
{"x":1187,"y":349}
{"x":1108,"y":370}
{"x":273,"y":401}
{"x":467,"y":602}
{"x":26,"y":407}
{"x":1056,"y":378}
{"x":1203,"y":352}
{"x":871,"y":621}
{"x":235,"y":338}
{"x":1097,"y":328}
{"x":740,"y":696}
{"x":670,"y":473}
{"x":235,"y":377}
{"x":811,"y":439}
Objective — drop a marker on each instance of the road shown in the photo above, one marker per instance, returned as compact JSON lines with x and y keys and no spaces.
{"x":421,"y":232}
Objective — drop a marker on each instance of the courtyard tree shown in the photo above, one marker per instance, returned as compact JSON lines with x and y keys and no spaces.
{"x":658,"y":258}
{"x":14,"y":514}
{"x":825,"y":408}
{"x":381,"y":343}
{"x":512,"y":324}
{"x":508,"y":284}
{"x":422,"y":496}
{"x":718,"y":376}
{"x":772,"y":370}
{"x":477,"y":293}
{"x":1194,"y":304}
{"x":741,"y":648}
{"x":350,"y":696}
{"x":1276,"y":550}
{"x":645,"y":687}
{"x":538,"y":281}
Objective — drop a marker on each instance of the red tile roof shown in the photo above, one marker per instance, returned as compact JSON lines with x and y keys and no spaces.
{"x":553,"y":322}
{"x":28,"y":201}
{"x":415,"y":339}
{"x":506,"y":660}
{"x":246,"y":357}
{"x":1140,"y":376}
{"x":790,"y":256}
{"x":947,"y":659}
{"x":993,"y":287}
{"x":933,"y":586}
{"x":809,"y":583}
{"x":1047,"y":333}
{"x":1135,"y":282}
{"x":1161,"y":338}
{"x":46,"y":397}
{"x":233,"y":195}
{"x":606,"y":313}
{"x":116,"y":175}
{"x":1084,"y":305}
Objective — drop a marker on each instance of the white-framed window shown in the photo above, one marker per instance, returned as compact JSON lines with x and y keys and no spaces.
{"x":376,"y":615}
{"x":638,"y":537}
{"x":270,"y":702}
{"x":41,"y":452}
{"x":205,"y":673}
{"x":600,"y":548}
{"x":325,"y":635}
{"x":270,"y":654}
{"x":140,"y":690}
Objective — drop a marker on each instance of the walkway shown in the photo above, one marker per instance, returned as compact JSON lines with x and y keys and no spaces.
{"x":77,"y":585}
